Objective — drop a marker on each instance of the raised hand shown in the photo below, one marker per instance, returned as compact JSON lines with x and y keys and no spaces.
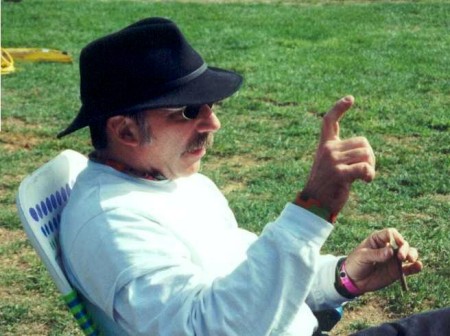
{"x":338,"y":163}
{"x":374,"y":265}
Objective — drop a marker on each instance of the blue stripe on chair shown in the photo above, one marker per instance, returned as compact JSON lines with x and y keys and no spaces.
{"x":44,"y":208}
{"x":39,"y":211}
{"x":55,"y":223}
{"x":33,"y":214}
{"x":49,"y":204}
{"x":58,"y":198}
{"x":53,"y":200}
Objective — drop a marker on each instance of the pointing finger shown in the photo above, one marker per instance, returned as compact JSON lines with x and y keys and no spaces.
{"x":330,"y":123}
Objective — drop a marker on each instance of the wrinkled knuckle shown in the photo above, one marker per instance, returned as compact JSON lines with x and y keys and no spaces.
{"x":340,"y":172}
{"x":368,"y":151}
{"x":363,"y":141}
{"x":328,"y":152}
{"x":327,"y":147}
{"x":392,"y":230}
{"x":364,"y":171}
{"x":366,"y":154}
{"x":367,"y":172}
{"x":334,"y":157}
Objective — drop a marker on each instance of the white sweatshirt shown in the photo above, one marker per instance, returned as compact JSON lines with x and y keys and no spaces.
{"x":167,"y":258}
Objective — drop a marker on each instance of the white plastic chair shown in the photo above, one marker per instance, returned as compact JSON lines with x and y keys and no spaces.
{"x":40,"y":200}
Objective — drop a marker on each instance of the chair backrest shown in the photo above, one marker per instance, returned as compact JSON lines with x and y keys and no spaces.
{"x":40,"y":201}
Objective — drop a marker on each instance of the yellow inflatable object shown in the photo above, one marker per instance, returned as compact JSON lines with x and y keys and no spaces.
{"x":7,"y":63}
{"x":39,"y":55}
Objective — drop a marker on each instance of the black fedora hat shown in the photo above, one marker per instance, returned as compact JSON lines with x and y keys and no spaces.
{"x":146,"y":65}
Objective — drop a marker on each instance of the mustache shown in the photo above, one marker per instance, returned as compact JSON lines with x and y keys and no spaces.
{"x":203,"y":140}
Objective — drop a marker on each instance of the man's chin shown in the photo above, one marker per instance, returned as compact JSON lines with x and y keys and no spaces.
{"x":188,"y":171}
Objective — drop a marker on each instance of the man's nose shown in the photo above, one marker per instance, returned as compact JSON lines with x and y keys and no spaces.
{"x":207,"y":120}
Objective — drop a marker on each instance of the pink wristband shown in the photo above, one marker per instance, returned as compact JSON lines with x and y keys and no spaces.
{"x":347,"y":282}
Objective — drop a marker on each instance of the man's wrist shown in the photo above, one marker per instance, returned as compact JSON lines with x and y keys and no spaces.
{"x":343,"y":284}
{"x":315,"y":207}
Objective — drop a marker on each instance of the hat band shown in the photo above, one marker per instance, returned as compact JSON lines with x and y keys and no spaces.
{"x":189,"y":77}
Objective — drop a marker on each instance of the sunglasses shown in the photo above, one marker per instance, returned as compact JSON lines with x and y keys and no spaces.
{"x":191,"y":112}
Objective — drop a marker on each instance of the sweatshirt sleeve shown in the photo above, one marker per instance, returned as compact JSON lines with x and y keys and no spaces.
{"x":323,"y":294}
{"x":149,"y":285}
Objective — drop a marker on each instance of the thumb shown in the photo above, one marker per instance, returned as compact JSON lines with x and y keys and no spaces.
{"x":330,"y":123}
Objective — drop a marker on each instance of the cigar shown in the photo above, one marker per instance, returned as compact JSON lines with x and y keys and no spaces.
{"x":399,"y":265}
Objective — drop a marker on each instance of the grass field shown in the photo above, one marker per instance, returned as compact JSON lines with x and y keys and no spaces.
{"x":297,"y":59}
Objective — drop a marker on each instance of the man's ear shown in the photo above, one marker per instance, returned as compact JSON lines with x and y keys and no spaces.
{"x":123,"y":130}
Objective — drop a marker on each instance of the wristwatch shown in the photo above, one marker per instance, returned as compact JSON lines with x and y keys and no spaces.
{"x":343,"y":284}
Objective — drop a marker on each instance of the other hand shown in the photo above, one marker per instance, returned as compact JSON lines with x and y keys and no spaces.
{"x":374,"y":265}
{"x":338,"y":163}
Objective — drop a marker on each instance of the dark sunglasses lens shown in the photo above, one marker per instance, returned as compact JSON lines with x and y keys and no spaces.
{"x":192,"y":111}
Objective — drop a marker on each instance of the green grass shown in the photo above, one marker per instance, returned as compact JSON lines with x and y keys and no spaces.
{"x":296,"y":60}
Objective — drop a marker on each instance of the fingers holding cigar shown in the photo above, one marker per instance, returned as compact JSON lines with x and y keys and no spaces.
{"x":404,"y":253}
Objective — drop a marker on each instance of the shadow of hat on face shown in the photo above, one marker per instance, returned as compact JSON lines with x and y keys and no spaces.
{"x":146,"y":65}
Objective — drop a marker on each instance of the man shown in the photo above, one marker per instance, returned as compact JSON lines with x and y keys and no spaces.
{"x":152,"y":245}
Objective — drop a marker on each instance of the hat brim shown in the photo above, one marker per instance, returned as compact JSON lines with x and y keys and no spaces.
{"x":213,"y":85}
